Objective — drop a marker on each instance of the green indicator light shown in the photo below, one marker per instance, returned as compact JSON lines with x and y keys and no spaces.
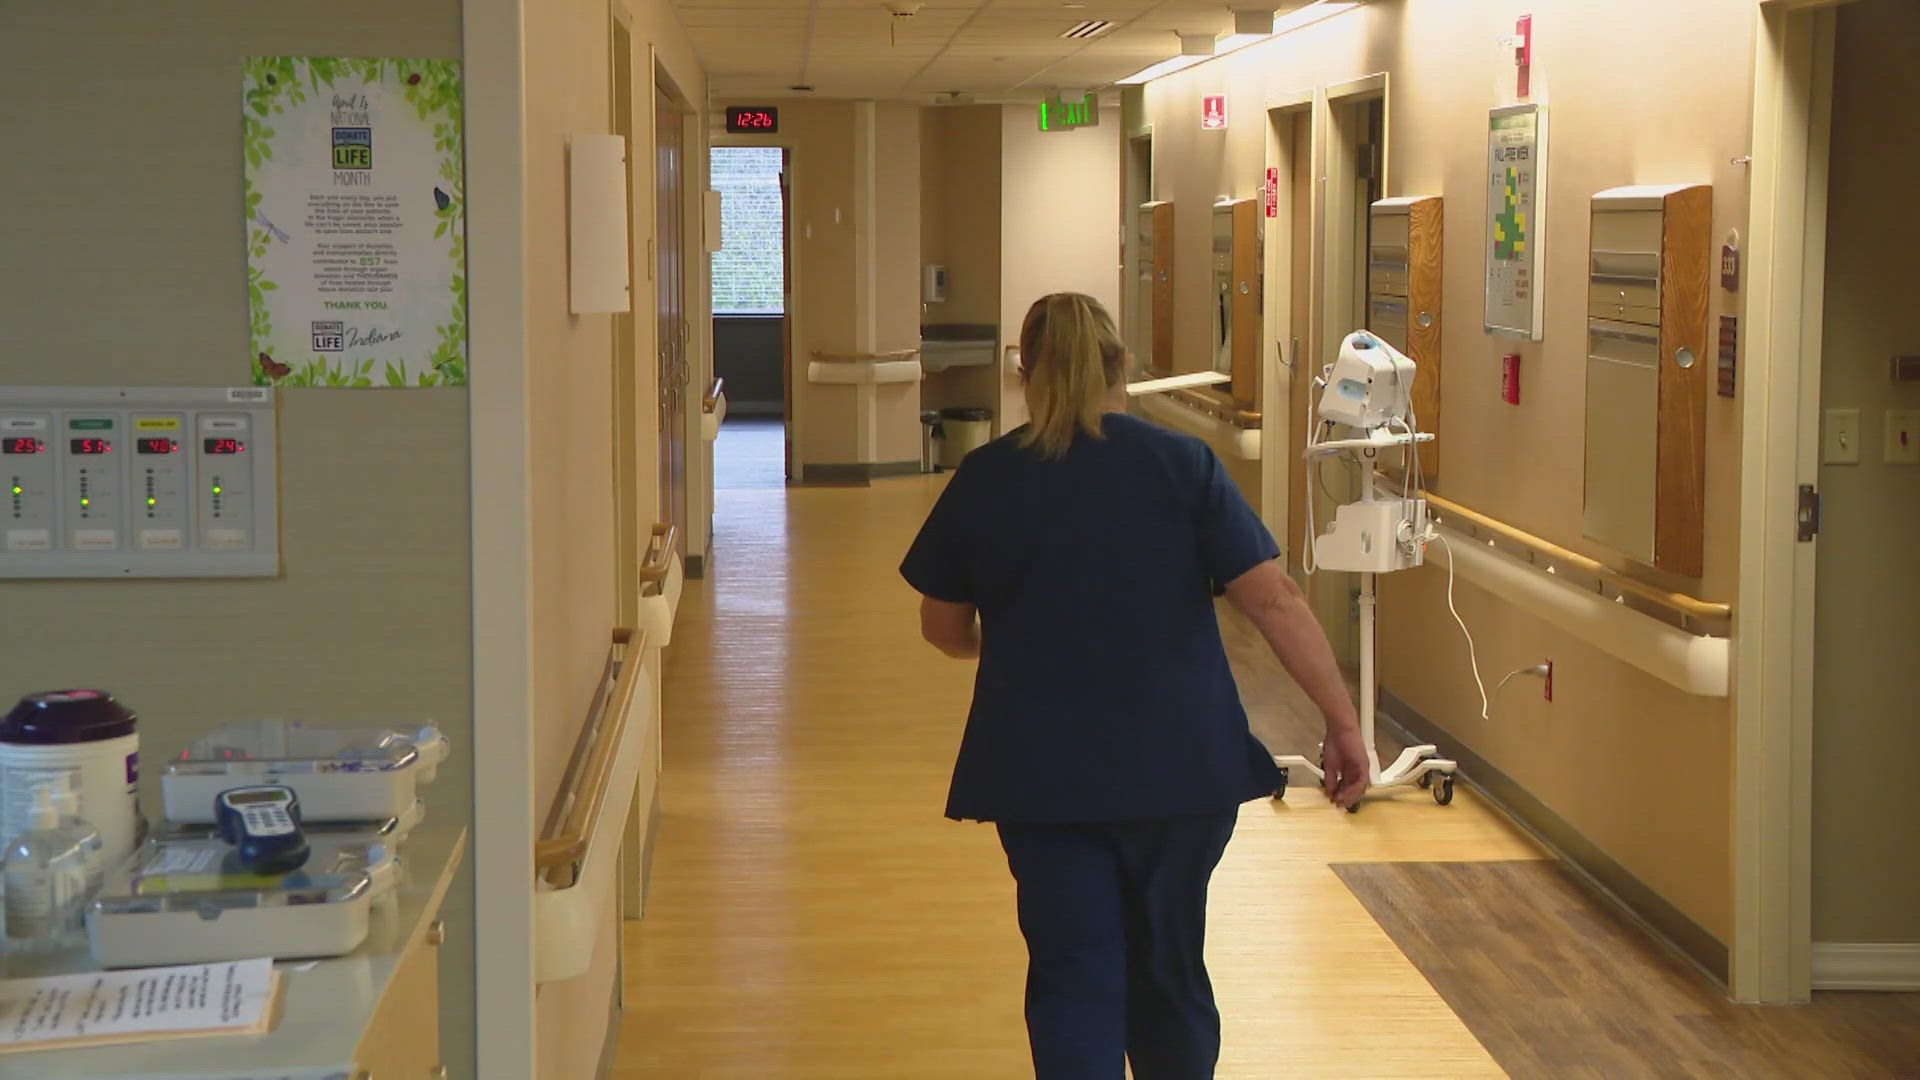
{"x":86,"y":502}
{"x":17,"y":489}
{"x":216,"y":489}
{"x":151,"y":501}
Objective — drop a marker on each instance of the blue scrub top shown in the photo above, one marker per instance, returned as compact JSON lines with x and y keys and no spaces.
{"x":1103,"y":692}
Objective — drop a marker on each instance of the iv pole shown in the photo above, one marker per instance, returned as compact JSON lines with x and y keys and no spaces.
{"x":1416,"y":765}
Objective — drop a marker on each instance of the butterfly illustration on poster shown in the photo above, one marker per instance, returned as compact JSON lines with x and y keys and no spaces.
{"x":355,"y":218}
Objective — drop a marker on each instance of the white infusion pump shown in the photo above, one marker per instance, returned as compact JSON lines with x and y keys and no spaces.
{"x":1369,"y":385}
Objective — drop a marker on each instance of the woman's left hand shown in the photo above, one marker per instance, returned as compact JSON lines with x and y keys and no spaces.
{"x":1348,"y":771}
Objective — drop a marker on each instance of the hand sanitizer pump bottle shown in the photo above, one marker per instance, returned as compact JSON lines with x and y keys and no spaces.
{"x":44,"y":878}
{"x":88,"y":847}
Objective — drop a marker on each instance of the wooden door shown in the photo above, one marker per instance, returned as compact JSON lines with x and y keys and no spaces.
{"x":670,"y":312}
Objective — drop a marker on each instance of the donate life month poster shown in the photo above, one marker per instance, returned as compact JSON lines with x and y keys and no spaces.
{"x":356,"y":230}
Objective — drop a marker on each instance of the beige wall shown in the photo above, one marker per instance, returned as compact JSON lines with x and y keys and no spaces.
{"x":819,"y":138}
{"x":1625,"y":107}
{"x":1057,"y":228}
{"x":834,"y":265}
{"x":123,"y":263}
{"x":568,"y":90}
{"x":1866,"y":881}
{"x":897,"y":258}
{"x":960,"y":228}
{"x":967,"y":158}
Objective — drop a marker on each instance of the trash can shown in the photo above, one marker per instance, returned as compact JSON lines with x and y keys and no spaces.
{"x":965,"y":430}
{"x":929,"y":440}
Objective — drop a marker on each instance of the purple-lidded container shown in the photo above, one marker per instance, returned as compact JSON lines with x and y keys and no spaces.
{"x":81,"y":740}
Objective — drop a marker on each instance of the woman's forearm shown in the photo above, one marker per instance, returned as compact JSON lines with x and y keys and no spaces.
{"x":1277,"y":607}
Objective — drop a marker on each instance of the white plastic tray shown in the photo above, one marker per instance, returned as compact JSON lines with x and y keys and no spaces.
{"x":340,"y":774}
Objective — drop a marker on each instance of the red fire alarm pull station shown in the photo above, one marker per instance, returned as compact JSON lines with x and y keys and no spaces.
{"x":1510,"y":378}
{"x":1523,"y":55}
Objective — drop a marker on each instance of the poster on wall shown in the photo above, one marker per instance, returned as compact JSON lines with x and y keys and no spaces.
{"x":1516,"y":184}
{"x":355,"y":220}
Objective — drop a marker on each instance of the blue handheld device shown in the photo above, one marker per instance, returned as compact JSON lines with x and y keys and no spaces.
{"x":263,"y":825}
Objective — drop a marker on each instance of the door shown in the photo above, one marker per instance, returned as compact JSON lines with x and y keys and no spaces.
{"x":786,"y":305}
{"x":1354,"y":179}
{"x":671,"y":311}
{"x":1865,"y":919}
{"x":631,"y":517}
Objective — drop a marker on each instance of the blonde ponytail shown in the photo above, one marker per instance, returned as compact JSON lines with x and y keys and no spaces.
{"x":1073,"y":360}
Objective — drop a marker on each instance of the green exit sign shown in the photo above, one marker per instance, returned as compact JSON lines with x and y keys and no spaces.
{"x":1057,"y":114}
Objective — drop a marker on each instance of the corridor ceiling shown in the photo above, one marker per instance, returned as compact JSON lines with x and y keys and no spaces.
{"x":993,"y":50}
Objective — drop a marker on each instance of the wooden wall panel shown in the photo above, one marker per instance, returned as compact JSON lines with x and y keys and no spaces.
{"x":1403,"y":293}
{"x":1247,"y":292}
{"x":1685,"y":280}
{"x":1423,"y":341}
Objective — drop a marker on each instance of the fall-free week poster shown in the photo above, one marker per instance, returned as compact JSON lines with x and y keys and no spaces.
{"x":355,"y":219}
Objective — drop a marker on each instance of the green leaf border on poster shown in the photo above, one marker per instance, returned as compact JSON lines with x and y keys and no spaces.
{"x":433,"y":88}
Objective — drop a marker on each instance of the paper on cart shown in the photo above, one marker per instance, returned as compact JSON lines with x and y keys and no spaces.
{"x":234,"y":997}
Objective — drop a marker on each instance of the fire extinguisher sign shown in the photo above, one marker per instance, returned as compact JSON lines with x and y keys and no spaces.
{"x":1213,"y":112}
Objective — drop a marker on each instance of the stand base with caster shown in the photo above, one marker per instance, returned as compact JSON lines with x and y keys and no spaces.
{"x":1417,"y":766}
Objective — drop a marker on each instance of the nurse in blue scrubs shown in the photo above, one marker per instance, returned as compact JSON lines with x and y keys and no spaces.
{"x":1078,"y":558}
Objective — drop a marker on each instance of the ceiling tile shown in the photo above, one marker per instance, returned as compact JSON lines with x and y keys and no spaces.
{"x":859,"y":49}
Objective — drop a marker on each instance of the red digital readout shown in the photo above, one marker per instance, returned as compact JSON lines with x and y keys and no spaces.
{"x":157,"y":446}
{"x":90,"y":446}
{"x":225,"y":446}
{"x":17,"y":444}
{"x":753,"y":120}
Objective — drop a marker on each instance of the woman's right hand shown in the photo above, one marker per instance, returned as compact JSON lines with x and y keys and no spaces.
{"x":1345,"y":760}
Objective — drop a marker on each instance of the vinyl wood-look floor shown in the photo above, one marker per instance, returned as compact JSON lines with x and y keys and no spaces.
{"x":813,"y":915}
{"x":1557,"y":985}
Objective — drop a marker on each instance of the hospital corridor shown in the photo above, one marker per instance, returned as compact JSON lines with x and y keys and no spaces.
{"x":811,"y":921}
{"x":973,"y":539}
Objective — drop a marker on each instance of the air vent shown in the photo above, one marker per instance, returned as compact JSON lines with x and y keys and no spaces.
{"x":1090,"y":28}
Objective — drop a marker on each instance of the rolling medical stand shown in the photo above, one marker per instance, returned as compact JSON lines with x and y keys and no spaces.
{"x":1367,"y":388}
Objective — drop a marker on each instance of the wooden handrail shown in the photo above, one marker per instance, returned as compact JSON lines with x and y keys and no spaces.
{"x":1219,"y":406}
{"x":1672,"y":601}
{"x":865,"y":358}
{"x":658,"y":559}
{"x":712,"y":400}
{"x":557,"y":854}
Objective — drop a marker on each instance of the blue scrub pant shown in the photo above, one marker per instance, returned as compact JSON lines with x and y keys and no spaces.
{"x":1115,"y":919}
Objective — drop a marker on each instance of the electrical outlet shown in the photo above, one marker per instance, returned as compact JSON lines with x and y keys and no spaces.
{"x":1902,"y":437}
{"x":1840,"y":439}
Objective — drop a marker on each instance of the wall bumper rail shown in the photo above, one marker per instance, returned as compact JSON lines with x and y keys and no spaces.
{"x":578,"y":854}
{"x":1696,"y":663}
